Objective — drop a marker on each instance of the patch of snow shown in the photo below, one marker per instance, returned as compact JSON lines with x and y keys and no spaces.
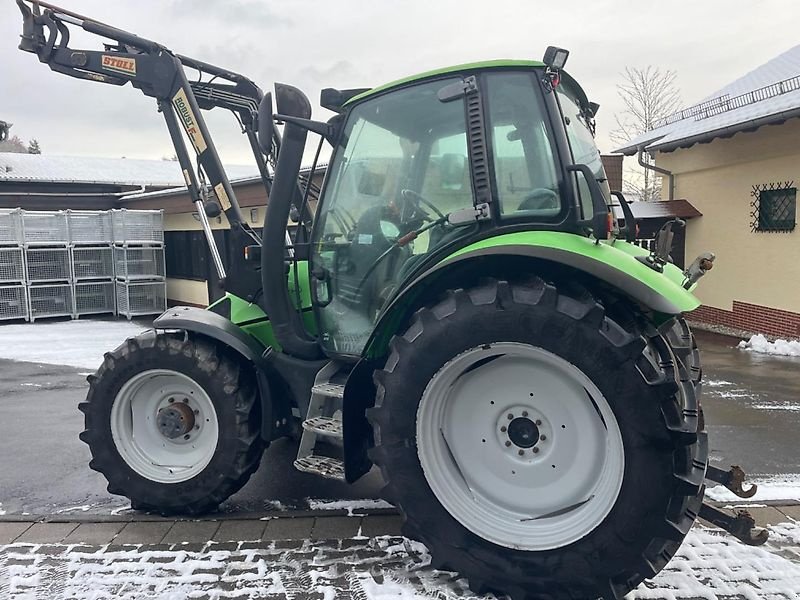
{"x":71,"y":343}
{"x":759,"y":343}
{"x":2,"y":512}
{"x":776,"y":487}
{"x":31,"y":384}
{"x":737,"y":506}
{"x":81,"y":508}
{"x":716,"y":383}
{"x":785,"y":532}
{"x":348,"y":505}
{"x":788,"y":407}
{"x":121,"y":509}
{"x":733,"y":394}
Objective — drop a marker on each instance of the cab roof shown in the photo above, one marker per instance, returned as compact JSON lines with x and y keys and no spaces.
{"x":476,"y":66}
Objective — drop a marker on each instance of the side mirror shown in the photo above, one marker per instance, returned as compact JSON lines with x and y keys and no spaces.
{"x":601,"y":215}
{"x":266,"y":126}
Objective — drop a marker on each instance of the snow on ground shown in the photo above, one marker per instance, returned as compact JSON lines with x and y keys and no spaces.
{"x":72,"y":343}
{"x":773,"y":487}
{"x":784,"y":406}
{"x":708,"y":566}
{"x":759,"y":343}
{"x":348,"y":505}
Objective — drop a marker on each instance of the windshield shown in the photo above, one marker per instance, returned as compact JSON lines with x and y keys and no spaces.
{"x":400,"y":168}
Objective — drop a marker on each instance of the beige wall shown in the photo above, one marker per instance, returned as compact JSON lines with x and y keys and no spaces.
{"x":759,"y":268}
{"x":187,"y":291}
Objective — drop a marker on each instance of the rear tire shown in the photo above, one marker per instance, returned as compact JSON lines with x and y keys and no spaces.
{"x":196,"y":470}
{"x":652,"y":405}
{"x":684,"y":346}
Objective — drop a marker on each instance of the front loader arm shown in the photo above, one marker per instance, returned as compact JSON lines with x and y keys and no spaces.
{"x":157,"y":73}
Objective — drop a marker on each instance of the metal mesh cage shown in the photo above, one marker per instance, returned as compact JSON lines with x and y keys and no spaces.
{"x":45,"y":227}
{"x":13,"y":302}
{"x":90,"y":227}
{"x":11,"y":226}
{"x":139,"y":262}
{"x":92,"y":262}
{"x":94,"y":297}
{"x":138,"y":226}
{"x":141,"y":298}
{"x":48,"y":264}
{"x":53,"y":300}
{"x":12,"y":265}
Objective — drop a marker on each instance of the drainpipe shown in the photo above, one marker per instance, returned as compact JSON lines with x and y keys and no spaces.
{"x":657,"y":169}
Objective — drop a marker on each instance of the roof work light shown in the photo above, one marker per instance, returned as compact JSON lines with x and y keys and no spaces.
{"x":555,"y":58}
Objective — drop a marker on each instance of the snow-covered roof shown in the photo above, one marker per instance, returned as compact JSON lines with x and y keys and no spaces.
{"x":116,"y":171}
{"x":768,"y":94}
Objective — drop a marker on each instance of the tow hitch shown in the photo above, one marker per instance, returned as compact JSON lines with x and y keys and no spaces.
{"x":742,"y":526}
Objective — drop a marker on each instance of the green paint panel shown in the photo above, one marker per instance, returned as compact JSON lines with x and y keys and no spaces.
{"x":243,"y":311}
{"x":487,"y":64}
{"x":620,"y":256}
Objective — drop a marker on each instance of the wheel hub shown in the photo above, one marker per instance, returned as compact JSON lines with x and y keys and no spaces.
{"x":523,"y":432}
{"x":175,"y":420}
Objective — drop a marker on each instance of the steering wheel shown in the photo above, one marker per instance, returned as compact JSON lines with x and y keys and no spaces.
{"x":418,"y":199}
{"x":540,"y":199}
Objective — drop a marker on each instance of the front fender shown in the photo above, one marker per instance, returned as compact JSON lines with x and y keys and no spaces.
{"x":614,"y":264}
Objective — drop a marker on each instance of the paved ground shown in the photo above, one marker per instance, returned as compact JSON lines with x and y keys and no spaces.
{"x":305,"y":557}
{"x":751,"y":401}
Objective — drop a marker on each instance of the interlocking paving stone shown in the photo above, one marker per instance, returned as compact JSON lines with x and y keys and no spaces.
{"x":767,"y":515}
{"x":334,"y":528}
{"x":143,"y":532}
{"x":11,"y":531}
{"x":244,"y":530}
{"x":381,"y":525}
{"x":46,"y":533}
{"x":793,"y":512}
{"x":288,"y":529}
{"x":191,"y":532}
{"x":94,"y":533}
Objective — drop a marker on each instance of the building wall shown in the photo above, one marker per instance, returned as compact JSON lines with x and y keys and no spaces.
{"x":752,"y":269}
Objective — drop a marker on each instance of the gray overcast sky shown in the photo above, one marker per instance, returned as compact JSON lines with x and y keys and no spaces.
{"x":355,"y":43}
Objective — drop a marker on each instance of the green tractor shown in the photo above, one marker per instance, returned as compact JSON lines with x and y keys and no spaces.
{"x":458,"y":306}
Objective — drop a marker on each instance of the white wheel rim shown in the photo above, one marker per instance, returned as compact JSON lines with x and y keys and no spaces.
{"x":140,"y":442}
{"x":520,"y":501}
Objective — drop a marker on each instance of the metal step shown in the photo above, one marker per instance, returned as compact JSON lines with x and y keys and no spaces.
{"x":328,"y":426}
{"x":321,"y":465}
{"x":332,"y":390}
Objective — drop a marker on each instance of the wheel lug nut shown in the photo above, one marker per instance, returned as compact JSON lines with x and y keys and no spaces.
{"x":524,"y":413}
{"x":536,"y":451}
{"x":543,"y":438}
{"x":510,"y":416}
{"x":186,"y":437}
{"x":538,"y":422}
{"x":521,"y":452}
{"x":172,"y":400}
{"x":504,"y":429}
{"x":197,"y":412}
{"x":508,"y":443}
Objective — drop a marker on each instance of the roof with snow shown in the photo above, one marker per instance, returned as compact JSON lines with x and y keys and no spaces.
{"x":769,"y":94}
{"x":119,"y":171}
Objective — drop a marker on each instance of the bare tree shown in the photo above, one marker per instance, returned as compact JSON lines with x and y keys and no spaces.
{"x":649,"y":95}
{"x":13,"y":144}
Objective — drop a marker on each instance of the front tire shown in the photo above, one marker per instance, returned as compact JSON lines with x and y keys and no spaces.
{"x":172,"y":422}
{"x":617,"y":411}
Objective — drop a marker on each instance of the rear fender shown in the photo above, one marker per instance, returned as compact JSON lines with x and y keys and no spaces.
{"x":616,"y":265}
{"x":216,"y":327}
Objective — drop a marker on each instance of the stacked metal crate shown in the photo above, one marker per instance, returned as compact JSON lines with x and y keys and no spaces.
{"x":48,"y":266}
{"x":139,"y":266}
{"x":13,"y":291}
{"x":91,"y":238}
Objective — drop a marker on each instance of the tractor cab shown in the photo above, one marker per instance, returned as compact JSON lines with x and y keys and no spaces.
{"x":427,"y":165}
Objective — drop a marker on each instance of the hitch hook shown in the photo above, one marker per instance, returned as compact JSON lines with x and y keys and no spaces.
{"x":742,"y":526}
{"x":732,"y":479}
